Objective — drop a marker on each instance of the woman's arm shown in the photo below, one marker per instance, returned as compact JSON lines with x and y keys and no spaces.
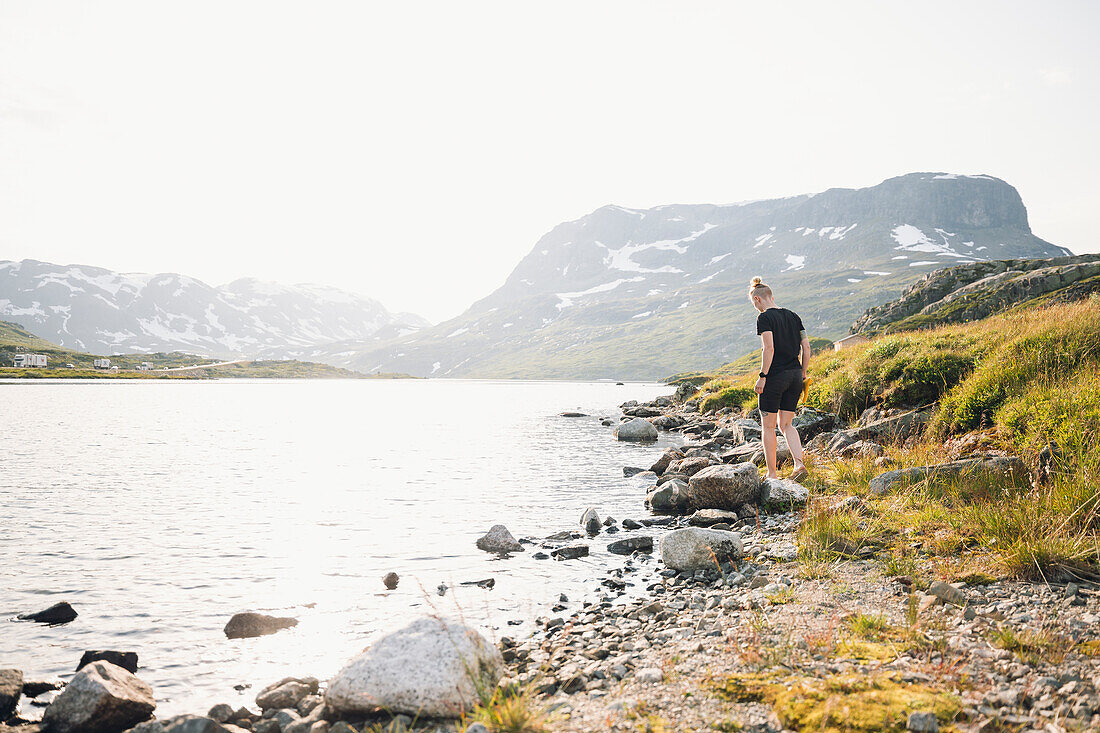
{"x":767,"y":353}
{"x":805,"y":355}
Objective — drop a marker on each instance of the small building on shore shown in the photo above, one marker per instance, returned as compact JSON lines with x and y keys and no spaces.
{"x":101,"y":364}
{"x":854,"y":340}
{"x":23,"y":361}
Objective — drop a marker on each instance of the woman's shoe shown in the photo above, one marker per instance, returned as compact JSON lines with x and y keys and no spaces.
{"x":800,"y":474}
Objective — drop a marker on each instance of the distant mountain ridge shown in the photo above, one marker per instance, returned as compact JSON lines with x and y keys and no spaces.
{"x":101,"y":311}
{"x":639,"y":293}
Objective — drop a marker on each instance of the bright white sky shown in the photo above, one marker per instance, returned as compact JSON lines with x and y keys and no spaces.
{"x":415,"y":151}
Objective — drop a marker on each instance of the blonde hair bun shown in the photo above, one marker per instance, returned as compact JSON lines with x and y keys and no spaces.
{"x":758,"y":288}
{"x":757,"y":281}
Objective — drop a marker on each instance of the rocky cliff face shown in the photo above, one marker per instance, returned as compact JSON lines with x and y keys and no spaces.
{"x":633,"y":293}
{"x":979,"y":289}
{"x":97,"y":310}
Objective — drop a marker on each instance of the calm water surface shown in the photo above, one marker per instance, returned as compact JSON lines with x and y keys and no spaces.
{"x":159,"y":509}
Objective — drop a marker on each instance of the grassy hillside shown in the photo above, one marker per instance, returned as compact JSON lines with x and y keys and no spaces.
{"x":286,"y":370}
{"x":1026,"y":382}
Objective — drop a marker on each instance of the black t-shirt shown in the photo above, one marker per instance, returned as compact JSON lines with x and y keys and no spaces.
{"x":786,"y":328}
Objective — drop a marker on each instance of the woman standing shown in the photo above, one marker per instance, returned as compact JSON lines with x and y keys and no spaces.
{"x":785,"y":359}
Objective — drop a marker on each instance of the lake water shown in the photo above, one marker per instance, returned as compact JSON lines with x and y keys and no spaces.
{"x":159,"y":509}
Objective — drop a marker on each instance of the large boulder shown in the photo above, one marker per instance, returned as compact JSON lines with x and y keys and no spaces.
{"x":431,"y":668}
{"x":636,"y":430}
{"x":498,"y":539}
{"x":1008,"y":467}
{"x":724,"y":486}
{"x":101,"y":698}
{"x":693,"y":548}
{"x":783,"y":492}
{"x":11,"y":687}
{"x":246,"y":625}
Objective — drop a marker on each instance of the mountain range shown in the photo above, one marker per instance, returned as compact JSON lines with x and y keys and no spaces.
{"x":620,"y":293}
{"x":100,"y":311}
{"x":638,"y":293}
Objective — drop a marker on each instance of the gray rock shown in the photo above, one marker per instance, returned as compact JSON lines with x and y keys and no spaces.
{"x":185,"y":724}
{"x":947,"y":593}
{"x":709,"y":517}
{"x":286,"y":693}
{"x":11,"y":687}
{"x":783,"y":492}
{"x":669,"y":498}
{"x":636,"y":430}
{"x":690,"y":466}
{"x":631,"y":544}
{"x":1009,"y":467}
{"x":649,"y":675}
{"x":127,"y":660}
{"x":246,"y":625}
{"x":924,"y":722}
{"x":724,"y":486}
{"x":670,"y":455}
{"x":630,"y":471}
{"x":221,"y":713}
{"x":476,"y":728}
{"x":101,"y":698}
{"x":810,"y":423}
{"x":431,"y":668}
{"x":498,"y":539}
{"x":631,"y":524}
{"x":58,"y":613}
{"x":590,"y":520}
{"x":747,"y":431}
{"x":572,"y":552}
{"x":390,"y":580}
{"x":896,"y":428}
{"x":693,"y":548}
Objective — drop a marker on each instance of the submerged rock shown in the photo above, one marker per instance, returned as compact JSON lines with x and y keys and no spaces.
{"x":571,"y":552}
{"x":101,"y":698}
{"x":127,"y":660}
{"x":431,"y":668}
{"x":692,"y":548}
{"x":498,"y":539}
{"x":590,"y":520}
{"x":58,"y":613}
{"x":246,"y":625}
{"x":631,"y":544}
{"x":636,"y":430}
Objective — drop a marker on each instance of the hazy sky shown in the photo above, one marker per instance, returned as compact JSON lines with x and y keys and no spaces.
{"x":415,"y":151}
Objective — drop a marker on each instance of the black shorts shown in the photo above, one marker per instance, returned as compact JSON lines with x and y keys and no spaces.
{"x":781,"y":391}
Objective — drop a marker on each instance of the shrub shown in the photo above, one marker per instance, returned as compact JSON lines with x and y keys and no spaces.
{"x":734,"y":397}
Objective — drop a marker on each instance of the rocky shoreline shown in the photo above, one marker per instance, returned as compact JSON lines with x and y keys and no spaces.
{"x":711,"y":623}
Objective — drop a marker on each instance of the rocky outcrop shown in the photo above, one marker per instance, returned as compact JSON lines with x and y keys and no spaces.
{"x":431,"y":668}
{"x":101,"y":698}
{"x":692,"y":549}
{"x":997,"y":466}
{"x":978,"y":289}
{"x":245,"y":625}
